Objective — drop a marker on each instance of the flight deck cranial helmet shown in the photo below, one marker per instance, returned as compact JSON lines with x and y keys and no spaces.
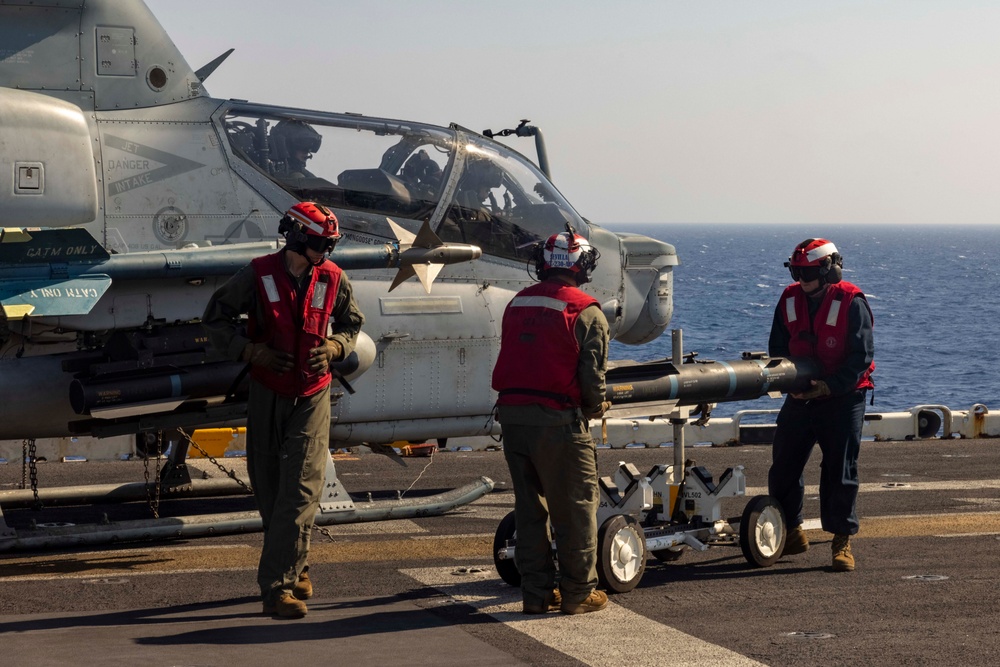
{"x":569,"y":252}
{"x":816,"y":259}
{"x":309,"y":225}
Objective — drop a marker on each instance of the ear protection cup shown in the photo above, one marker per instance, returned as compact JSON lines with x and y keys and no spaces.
{"x":538,"y":259}
{"x":832,"y":270}
{"x":587,"y":265}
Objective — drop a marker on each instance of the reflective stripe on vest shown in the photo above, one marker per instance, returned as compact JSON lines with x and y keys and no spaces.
{"x":538,"y":302}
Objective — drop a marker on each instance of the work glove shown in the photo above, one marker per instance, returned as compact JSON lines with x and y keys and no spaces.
{"x":818,"y":389}
{"x":597,"y":412}
{"x":321,"y":357}
{"x":261,"y":354}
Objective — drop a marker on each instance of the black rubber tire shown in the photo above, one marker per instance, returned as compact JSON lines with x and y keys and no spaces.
{"x":507,"y":530}
{"x":669,"y":555}
{"x":621,"y":554}
{"x":762,"y":531}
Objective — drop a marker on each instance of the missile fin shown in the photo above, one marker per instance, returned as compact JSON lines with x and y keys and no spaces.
{"x":45,"y":246}
{"x":404,"y":236}
{"x":52,"y":298}
{"x":14,"y":235}
{"x":427,"y":273}
{"x":404,"y":272}
{"x":17,"y":311}
{"x":426,"y":238}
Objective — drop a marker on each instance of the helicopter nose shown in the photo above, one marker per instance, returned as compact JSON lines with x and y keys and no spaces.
{"x":648,"y":278}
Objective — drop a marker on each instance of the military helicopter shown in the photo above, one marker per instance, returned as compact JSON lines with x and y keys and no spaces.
{"x":146,"y":186}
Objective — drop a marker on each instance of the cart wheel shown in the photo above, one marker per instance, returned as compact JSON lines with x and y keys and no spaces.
{"x":621,"y":553}
{"x":506,"y":568}
{"x":762,"y":531}
{"x":668,"y":555}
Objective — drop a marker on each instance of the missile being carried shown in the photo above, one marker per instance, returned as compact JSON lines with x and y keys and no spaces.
{"x":647,"y":388}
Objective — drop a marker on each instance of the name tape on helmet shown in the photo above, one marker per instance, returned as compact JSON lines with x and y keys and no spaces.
{"x":562,"y":260}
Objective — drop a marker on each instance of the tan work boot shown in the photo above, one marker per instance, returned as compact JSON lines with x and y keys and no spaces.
{"x":286,"y":606}
{"x":796,"y":542}
{"x":303,"y":588}
{"x":843,"y":559}
{"x":596,"y":601}
{"x":552,"y":602}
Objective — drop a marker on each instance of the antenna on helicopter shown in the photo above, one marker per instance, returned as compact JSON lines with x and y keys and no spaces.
{"x":205,"y":71}
{"x":525,"y":130}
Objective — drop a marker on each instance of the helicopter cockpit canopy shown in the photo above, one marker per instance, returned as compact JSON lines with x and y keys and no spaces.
{"x":471,"y":189}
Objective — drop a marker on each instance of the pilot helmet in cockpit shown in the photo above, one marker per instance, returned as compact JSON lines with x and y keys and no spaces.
{"x":294,"y":142}
{"x":481,"y":175}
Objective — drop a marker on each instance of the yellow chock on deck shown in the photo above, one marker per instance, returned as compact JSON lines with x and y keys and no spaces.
{"x":414,"y":449}
{"x":217,"y":441}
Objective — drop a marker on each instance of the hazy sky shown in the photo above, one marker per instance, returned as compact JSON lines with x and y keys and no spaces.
{"x":661,"y":111}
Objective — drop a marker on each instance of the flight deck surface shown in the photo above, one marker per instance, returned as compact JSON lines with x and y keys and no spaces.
{"x":424,"y":591}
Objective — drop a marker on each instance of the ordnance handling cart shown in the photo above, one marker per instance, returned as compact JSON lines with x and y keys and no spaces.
{"x":663,"y":512}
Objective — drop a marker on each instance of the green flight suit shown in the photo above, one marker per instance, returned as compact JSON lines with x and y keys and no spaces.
{"x":553,"y":466}
{"x":287,"y":437}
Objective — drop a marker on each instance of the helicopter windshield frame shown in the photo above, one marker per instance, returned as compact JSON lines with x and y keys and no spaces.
{"x":470,"y":188}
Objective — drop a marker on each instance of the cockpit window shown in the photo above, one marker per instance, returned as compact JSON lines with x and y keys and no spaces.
{"x":371,"y":166}
{"x":367,"y":169}
{"x":504,"y":204}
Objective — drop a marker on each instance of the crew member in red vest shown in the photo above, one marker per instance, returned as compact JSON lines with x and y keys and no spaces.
{"x":301,"y":318}
{"x":828,"y":319}
{"x":550,"y":379}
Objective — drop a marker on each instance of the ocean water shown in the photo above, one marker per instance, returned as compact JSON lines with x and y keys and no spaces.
{"x":934,"y":293}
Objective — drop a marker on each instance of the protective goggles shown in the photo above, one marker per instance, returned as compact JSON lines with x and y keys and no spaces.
{"x":804,"y":273}
{"x":322,"y":244}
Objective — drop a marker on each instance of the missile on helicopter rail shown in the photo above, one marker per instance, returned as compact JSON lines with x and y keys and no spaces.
{"x":65,"y":271}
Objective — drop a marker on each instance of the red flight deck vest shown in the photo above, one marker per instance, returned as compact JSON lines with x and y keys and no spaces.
{"x":826,"y":333}
{"x":291,"y":327}
{"x":538,"y":347}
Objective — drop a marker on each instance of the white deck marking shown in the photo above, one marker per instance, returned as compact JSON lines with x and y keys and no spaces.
{"x":609,"y":637}
{"x":122,"y":574}
{"x":945,"y":485}
{"x":390,"y":527}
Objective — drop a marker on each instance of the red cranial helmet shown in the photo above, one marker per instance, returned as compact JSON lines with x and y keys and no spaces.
{"x":570,"y":252}
{"x":816,"y":259}
{"x":310,"y":225}
{"x":315,"y":219}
